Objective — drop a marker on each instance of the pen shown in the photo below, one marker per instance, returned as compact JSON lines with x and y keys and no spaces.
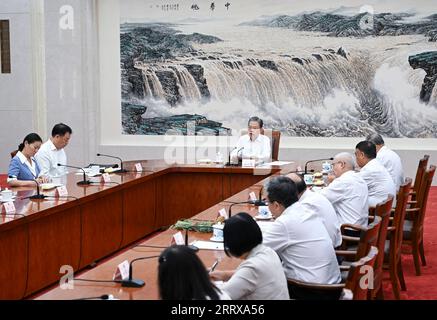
{"x":213,"y":266}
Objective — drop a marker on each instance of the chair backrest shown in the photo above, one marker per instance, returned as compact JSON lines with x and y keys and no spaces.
{"x":13,"y":153}
{"x":275,"y":138}
{"x":382,"y":210}
{"x":359,"y":269}
{"x":422,"y":199}
{"x":399,"y":217}
{"x":423,"y":163}
{"x":368,"y":238}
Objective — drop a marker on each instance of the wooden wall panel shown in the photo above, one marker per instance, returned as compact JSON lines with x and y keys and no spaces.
{"x":139,"y":211}
{"x":13,"y":263}
{"x":102,"y":227}
{"x":53,"y":241}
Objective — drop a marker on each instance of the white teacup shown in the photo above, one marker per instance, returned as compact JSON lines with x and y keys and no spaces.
{"x":308,"y":178}
{"x":7,"y":195}
{"x":326,"y":167}
{"x":264,"y":211}
{"x":217,"y":231}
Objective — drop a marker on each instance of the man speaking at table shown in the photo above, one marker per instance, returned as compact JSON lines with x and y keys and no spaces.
{"x":254,"y":144}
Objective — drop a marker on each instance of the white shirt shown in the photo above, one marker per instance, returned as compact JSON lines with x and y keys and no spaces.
{"x":379,"y":182}
{"x":259,"y":148}
{"x":259,"y":277}
{"x":300,"y":239}
{"x":48,"y":158}
{"x":321,"y":206}
{"x":392,"y":162}
{"x":350,"y":198}
{"x":23,"y":159}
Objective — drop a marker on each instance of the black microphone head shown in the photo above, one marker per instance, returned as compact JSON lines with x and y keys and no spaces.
{"x":98,"y":154}
{"x":59,"y":164}
{"x":331,"y":158}
{"x":104,"y":297}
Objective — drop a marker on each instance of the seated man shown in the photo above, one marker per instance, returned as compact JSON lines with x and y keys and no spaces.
{"x":378,"y":180}
{"x":348,"y":192}
{"x":299,"y":238}
{"x":52,"y":152}
{"x":388,"y":158}
{"x":319,"y":205}
{"x":253,"y":145}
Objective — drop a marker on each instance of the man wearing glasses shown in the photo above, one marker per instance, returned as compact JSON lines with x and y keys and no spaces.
{"x":52,"y":152}
{"x":253,"y":145}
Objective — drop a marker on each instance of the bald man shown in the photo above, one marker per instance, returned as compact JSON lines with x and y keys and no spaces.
{"x":348,"y":192}
{"x":319,"y":205}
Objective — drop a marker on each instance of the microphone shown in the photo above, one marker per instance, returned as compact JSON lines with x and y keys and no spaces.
{"x":256,"y":203}
{"x":114,"y":157}
{"x":135,"y":283}
{"x":80,"y":183}
{"x":306,"y":164}
{"x":35,"y":196}
{"x":194,"y":248}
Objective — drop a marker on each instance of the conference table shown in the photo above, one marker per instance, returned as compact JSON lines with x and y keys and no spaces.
{"x":100,"y":225}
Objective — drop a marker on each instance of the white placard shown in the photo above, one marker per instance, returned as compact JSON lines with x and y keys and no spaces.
{"x":222,"y":212}
{"x":248,"y":163}
{"x":122,"y":271}
{"x":178,"y":238}
{"x":62,"y":191}
{"x":252,"y":196}
{"x":106,"y":177}
{"x":9,"y":207}
{"x":138,"y":167}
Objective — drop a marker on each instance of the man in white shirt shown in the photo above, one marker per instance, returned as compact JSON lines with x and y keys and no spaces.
{"x":319,"y":205}
{"x":299,"y":237}
{"x":388,"y":158}
{"x":253,"y":145}
{"x":348,"y":192}
{"x":52,"y":152}
{"x":379,"y":182}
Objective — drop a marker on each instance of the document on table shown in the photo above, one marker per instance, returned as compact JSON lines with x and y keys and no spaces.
{"x":208,"y":245}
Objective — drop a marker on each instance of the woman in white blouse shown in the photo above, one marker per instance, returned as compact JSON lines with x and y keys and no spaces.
{"x":260,"y":276}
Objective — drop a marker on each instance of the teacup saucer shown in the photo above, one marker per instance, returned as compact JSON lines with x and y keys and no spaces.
{"x":258,"y":217}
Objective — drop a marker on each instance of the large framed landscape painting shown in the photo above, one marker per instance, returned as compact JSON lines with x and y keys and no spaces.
{"x":308,"y":68}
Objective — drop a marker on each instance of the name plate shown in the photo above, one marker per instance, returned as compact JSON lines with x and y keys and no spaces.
{"x":106,"y":177}
{"x":62,"y":191}
{"x":138,"y":167}
{"x":122,"y":271}
{"x":9,"y":207}
{"x":222,"y":213}
{"x":248,"y":163}
{"x":178,"y":239}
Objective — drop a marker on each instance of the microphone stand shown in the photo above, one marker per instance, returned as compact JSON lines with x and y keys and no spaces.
{"x":135,"y":283}
{"x":194,"y":248}
{"x":84,"y":182}
{"x":229,"y":162}
{"x":114,"y":157}
{"x":256,"y":203}
{"x":306,"y":164}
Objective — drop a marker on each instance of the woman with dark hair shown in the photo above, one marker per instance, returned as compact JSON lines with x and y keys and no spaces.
{"x":23,"y":168}
{"x":182,"y":276}
{"x":260,"y":276}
